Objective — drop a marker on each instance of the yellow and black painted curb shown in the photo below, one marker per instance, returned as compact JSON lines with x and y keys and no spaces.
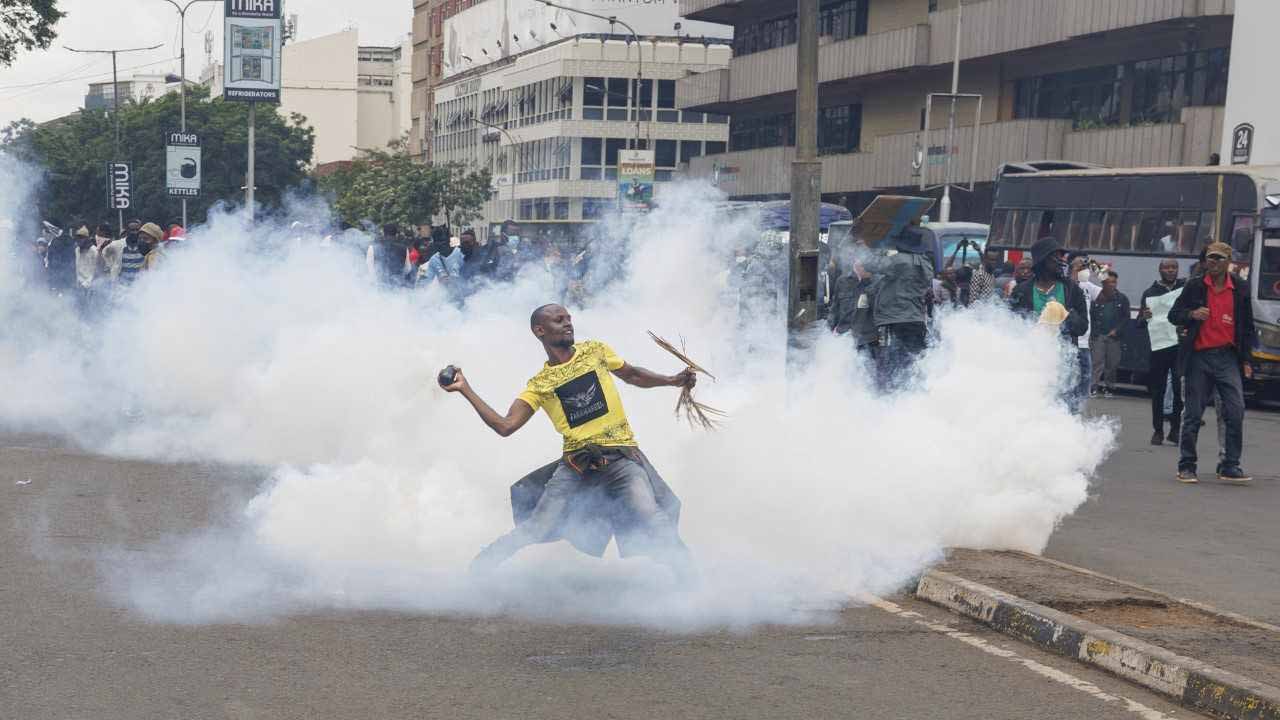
{"x":1192,"y":683}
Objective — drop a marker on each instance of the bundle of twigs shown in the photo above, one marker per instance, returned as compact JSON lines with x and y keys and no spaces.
{"x":694,"y":412}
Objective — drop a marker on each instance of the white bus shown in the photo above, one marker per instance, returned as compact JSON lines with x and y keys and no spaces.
{"x":1131,"y":219}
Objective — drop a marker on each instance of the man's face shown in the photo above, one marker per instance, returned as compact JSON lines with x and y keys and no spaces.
{"x":1109,"y":284}
{"x":991,"y":258}
{"x":468,"y":242}
{"x":556,"y":327}
{"x":1168,"y":271}
{"x":511,"y":230}
{"x":1216,"y":264}
{"x":1023,"y":271}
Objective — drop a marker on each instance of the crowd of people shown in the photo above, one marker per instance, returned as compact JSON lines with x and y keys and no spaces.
{"x":887,"y":298}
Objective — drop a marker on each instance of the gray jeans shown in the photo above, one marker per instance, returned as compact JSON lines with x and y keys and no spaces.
{"x":1210,"y":371}
{"x":636,"y":517}
{"x":1106,"y":360}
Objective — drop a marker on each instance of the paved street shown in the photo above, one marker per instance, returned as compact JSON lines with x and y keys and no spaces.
{"x":1210,"y":542}
{"x":69,"y":654}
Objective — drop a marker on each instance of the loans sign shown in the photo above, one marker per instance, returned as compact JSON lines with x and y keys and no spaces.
{"x":635,"y":180}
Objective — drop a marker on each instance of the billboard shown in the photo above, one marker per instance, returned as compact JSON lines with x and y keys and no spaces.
{"x":489,"y":31}
{"x":635,"y":180}
{"x":119,"y":185}
{"x":183,"y":166}
{"x":253,"y":38}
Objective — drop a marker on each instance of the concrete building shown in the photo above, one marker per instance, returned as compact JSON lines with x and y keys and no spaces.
{"x":428,"y":49}
{"x":1130,"y":83}
{"x":354,"y":96}
{"x":565,"y":110}
{"x":139,"y":87}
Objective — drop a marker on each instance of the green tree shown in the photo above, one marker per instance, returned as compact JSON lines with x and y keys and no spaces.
{"x":72,"y":153}
{"x":27,"y":25}
{"x":388,"y":186}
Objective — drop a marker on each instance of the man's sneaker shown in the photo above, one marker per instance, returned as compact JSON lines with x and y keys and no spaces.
{"x":1187,"y":475}
{"x":1234,"y":474}
{"x":1157,"y":438}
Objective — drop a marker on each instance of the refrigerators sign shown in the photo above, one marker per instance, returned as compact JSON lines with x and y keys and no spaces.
{"x":253,"y":38}
{"x":263,"y":9}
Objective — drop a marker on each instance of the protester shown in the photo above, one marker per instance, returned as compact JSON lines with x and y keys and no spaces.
{"x":1079,"y":271}
{"x":599,"y":454}
{"x":905,"y":275}
{"x":388,"y":259}
{"x":477,"y":259}
{"x":132,"y":252}
{"x":34,"y":268}
{"x":982,"y":282}
{"x":86,"y":267}
{"x":1025,"y":269}
{"x":508,"y":255}
{"x":152,"y":238}
{"x":1108,"y":316}
{"x":851,"y":308}
{"x":1050,"y":295}
{"x":1214,"y":354}
{"x":60,"y":260}
{"x":1163,"y":364}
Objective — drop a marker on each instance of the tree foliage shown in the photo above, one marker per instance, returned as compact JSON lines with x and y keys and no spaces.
{"x":26,"y":25}
{"x":72,"y":153}
{"x":388,"y":186}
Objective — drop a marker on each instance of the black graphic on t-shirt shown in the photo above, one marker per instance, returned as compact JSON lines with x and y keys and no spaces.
{"x":582,"y":399}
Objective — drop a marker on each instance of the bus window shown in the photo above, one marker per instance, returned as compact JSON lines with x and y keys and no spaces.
{"x":1155,"y":234}
{"x":1016,"y":218}
{"x":1128,"y":235}
{"x":1076,"y":238}
{"x":1205,"y":234}
{"x":1186,"y":237}
{"x":1269,"y":270}
{"x":1031,"y":228}
{"x":1095,"y":235}
{"x":1242,"y":229}
{"x":998,"y":220}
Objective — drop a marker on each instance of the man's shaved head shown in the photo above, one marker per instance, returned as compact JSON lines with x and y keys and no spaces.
{"x":540,"y":314}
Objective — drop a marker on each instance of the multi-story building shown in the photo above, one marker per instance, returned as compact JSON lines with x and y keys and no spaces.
{"x":1110,"y":82}
{"x":428,"y":49}
{"x":550,"y":122}
{"x":139,"y":87}
{"x":355,"y":97}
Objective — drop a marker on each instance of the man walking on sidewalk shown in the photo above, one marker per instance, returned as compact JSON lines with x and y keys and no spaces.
{"x":1164,"y":362}
{"x":1218,"y":316}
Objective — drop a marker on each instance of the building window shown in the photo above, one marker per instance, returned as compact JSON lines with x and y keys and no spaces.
{"x":615,"y":98}
{"x":843,"y":19}
{"x":718,"y":119}
{"x":762,"y":131}
{"x":562,"y":208}
{"x":596,"y":208}
{"x":689,"y":149}
{"x":542,"y":208}
{"x":664,"y":153}
{"x":933,"y":5}
{"x":611,"y":148}
{"x":839,"y":129}
{"x":666,"y":94}
{"x":715,"y":147}
{"x":764,"y":35}
{"x":1157,"y":90}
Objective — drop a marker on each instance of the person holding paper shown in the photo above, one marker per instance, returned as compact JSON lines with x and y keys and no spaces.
{"x":1164,"y":349}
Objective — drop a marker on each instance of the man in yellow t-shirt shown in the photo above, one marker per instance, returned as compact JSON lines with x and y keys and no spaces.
{"x":575,"y":387}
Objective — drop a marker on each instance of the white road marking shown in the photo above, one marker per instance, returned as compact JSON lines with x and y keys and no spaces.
{"x":1133,"y":706}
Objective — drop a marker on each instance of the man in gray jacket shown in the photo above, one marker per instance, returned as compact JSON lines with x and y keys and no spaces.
{"x":904,"y":277}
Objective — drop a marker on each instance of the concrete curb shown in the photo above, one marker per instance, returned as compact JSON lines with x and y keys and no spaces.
{"x":1193,"y":683}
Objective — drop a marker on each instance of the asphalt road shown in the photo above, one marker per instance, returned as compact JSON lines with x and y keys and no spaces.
{"x":66,"y":653}
{"x":1211,"y":542}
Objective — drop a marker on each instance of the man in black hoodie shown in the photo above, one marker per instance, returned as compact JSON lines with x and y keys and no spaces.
{"x":1163,"y":362}
{"x":1217,"y":312}
{"x":1050,"y":282}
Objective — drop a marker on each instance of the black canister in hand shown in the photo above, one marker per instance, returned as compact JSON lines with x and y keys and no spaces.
{"x":447,"y":376}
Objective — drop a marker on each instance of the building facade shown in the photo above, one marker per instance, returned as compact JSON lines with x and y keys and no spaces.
{"x":1098,"y":81}
{"x":549,"y":123}
{"x":428,"y":48}
{"x":101,"y":96}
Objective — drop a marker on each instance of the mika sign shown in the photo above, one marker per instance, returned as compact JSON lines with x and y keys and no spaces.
{"x":119,"y":185}
{"x":253,"y":40}
{"x":183,"y":166}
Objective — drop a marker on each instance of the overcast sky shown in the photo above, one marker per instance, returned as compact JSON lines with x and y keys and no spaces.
{"x":45,"y":85}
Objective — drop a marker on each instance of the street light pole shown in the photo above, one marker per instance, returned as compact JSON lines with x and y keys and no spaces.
{"x":115,"y":98}
{"x":945,"y":210}
{"x":611,"y":19}
{"x":182,"y":81}
{"x":514,"y":155}
{"x":806,"y":176}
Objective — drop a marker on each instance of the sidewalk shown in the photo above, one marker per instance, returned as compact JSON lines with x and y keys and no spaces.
{"x":1213,"y":543}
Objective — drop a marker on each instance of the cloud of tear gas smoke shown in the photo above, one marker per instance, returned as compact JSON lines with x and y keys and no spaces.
{"x":248,"y":349}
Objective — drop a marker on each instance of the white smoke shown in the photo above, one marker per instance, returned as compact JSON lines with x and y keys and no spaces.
{"x":383,"y":486}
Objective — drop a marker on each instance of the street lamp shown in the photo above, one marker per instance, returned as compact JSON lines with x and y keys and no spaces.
{"x":514,"y":156}
{"x":182,"y":92}
{"x":611,"y":19}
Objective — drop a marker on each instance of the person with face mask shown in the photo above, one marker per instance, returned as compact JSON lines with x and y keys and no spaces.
{"x":132,"y":253}
{"x":1049,"y":284}
{"x":1080,"y":273}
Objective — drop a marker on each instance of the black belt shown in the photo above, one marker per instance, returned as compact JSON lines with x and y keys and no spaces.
{"x":597,"y":457}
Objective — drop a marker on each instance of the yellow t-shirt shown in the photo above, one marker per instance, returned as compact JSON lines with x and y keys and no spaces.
{"x":581,"y":399}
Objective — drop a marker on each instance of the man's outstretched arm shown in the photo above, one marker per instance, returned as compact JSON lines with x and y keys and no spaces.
{"x":642,"y":377}
{"x":504,"y":425}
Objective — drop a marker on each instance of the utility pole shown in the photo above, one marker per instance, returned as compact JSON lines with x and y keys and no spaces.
{"x":182,"y":81}
{"x":945,"y":210}
{"x":806,"y":177}
{"x":515,"y":155}
{"x":115,"y":97}
{"x":249,"y":179}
